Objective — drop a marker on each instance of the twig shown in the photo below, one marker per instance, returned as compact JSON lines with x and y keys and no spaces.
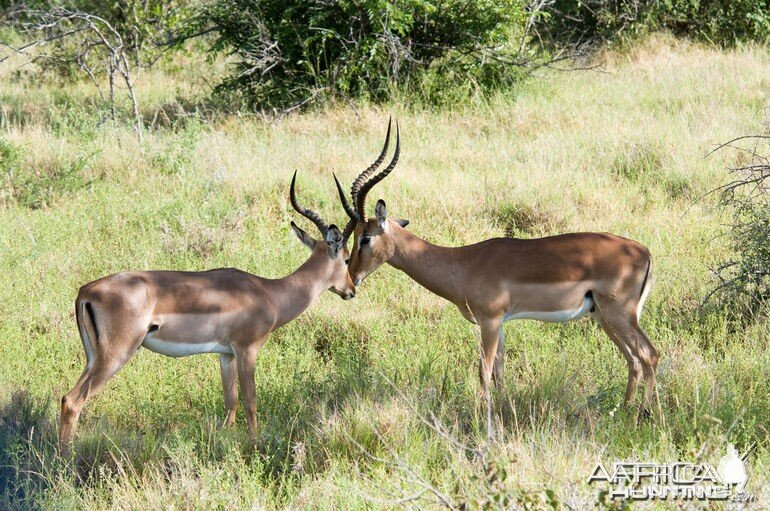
{"x":60,"y":23}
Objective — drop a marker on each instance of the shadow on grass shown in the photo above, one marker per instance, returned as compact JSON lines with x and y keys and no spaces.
{"x":31,"y":471}
{"x":26,"y":446}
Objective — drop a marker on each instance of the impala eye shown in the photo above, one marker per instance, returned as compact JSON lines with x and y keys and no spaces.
{"x":365,"y":241}
{"x":347,"y":262}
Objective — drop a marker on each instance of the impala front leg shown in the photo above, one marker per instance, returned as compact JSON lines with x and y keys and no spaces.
{"x":490,"y":339}
{"x":245,"y":358}
{"x":227,"y":368}
{"x":490,"y":342}
{"x":499,"y":366}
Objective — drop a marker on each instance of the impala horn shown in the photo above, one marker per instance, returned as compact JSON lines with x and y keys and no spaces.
{"x":360,"y":193}
{"x":307,"y":213}
{"x":348,"y":209}
{"x":363,"y":176}
{"x":362,"y":184}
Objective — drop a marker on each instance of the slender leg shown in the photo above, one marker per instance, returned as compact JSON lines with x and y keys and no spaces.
{"x":86,"y":387}
{"x":245,"y":359}
{"x":629,"y":353}
{"x":645,"y":359}
{"x":499,"y":365}
{"x":649,"y":357}
{"x":228,"y":370}
{"x":490,"y":339}
{"x":622,"y":326}
{"x":71,"y":405}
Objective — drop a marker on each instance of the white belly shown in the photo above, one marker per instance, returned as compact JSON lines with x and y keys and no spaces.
{"x":554,"y":316}
{"x":183,"y":349}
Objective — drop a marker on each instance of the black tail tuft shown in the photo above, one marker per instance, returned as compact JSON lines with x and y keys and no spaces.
{"x":90,"y":311}
{"x":646,"y":276}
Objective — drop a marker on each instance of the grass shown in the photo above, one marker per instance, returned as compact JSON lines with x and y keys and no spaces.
{"x":342,"y":390}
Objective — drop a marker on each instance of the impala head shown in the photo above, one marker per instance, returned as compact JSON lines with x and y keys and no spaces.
{"x":373,"y":241}
{"x":331,"y":247}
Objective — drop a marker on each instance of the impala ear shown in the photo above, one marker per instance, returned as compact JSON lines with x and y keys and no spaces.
{"x":402,"y":222}
{"x":381,"y":212}
{"x":335,"y":240}
{"x":303,"y":236}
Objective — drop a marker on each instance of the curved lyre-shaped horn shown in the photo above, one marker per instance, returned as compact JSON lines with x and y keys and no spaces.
{"x":307,"y":213}
{"x":348,"y":209}
{"x":363,"y":176}
{"x":361,"y":196}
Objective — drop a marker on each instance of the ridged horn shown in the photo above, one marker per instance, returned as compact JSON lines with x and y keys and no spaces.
{"x":348,"y":209}
{"x":363,"y":176}
{"x":307,"y":213}
{"x":361,"y":196}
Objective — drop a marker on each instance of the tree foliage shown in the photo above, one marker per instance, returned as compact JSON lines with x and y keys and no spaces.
{"x":288,"y":53}
{"x":722,"y":22}
{"x":291,"y":51}
{"x":146,"y":26}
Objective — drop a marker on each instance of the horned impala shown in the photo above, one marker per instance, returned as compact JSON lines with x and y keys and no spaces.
{"x":553,"y":279}
{"x":225,"y":311}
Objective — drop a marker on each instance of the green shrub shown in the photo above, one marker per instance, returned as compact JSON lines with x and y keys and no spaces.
{"x":526,"y":219}
{"x":292,"y":52}
{"x":745,"y":278}
{"x":578,"y":21}
{"x":722,"y":22}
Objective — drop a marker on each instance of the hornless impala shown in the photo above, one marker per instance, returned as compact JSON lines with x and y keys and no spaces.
{"x":553,"y":279}
{"x":224,"y":311}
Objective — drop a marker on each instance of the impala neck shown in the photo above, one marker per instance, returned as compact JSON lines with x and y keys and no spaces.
{"x":296,"y":292}
{"x":435,"y":268}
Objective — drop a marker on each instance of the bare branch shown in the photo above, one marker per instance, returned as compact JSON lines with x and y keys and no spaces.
{"x":96,"y":42}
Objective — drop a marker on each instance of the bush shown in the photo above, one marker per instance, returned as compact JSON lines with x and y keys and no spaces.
{"x":722,"y":22}
{"x":291,"y":52}
{"x":744,"y":280}
{"x":580,"y":21}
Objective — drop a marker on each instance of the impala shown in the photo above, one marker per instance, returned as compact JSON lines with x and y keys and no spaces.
{"x":552,"y":279}
{"x":224,"y":311}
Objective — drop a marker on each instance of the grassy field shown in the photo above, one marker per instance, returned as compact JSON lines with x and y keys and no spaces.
{"x":344,"y":392}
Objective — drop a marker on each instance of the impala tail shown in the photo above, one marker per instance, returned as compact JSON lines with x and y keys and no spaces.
{"x":84,"y":313}
{"x":646,"y":285}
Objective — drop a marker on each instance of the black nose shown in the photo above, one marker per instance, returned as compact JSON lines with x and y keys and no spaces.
{"x":349,"y":296}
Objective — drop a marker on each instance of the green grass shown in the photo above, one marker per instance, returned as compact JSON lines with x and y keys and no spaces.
{"x":621,"y":151}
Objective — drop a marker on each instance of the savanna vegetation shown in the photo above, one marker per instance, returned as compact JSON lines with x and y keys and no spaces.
{"x":372,"y":403}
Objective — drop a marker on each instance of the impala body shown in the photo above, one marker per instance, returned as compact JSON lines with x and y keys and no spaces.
{"x":225,"y":311}
{"x":553,"y":279}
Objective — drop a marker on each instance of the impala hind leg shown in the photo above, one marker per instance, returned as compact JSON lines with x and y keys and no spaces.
{"x":621,"y":325}
{"x":633,"y":362}
{"x":90,"y":382}
{"x":649,"y":357}
{"x":228,"y":370}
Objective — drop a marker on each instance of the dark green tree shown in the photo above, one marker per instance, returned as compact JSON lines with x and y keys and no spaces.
{"x":292,"y":51}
